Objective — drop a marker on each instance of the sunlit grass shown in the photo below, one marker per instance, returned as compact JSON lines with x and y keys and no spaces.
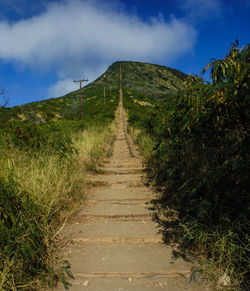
{"x":144,"y":141}
{"x":42,"y":190}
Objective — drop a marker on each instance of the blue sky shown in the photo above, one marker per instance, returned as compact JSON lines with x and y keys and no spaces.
{"x":47,"y":44}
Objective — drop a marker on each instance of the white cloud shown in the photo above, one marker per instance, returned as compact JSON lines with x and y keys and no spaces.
{"x":62,"y":87}
{"x":73,"y":36}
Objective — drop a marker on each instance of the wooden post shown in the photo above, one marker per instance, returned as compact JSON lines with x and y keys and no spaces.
{"x":104,"y":95}
{"x":80,"y":81}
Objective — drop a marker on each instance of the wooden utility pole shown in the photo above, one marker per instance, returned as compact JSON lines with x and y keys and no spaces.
{"x":121,"y":97}
{"x":104,"y":95}
{"x":80,"y":81}
{"x":120,"y":76}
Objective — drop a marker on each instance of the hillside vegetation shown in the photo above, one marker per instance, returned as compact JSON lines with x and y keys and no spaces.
{"x":45,"y":154}
{"x":65,"y":108}
{"x":196,"y":146}
{"x":147,"y":79}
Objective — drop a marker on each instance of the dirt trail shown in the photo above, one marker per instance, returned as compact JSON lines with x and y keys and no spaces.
{"x":113,"y":244}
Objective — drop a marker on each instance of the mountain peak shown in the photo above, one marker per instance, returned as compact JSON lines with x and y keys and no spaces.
{"x":146,"y":77}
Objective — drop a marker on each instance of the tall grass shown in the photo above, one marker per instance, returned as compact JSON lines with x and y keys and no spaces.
{"x":144,"y":141}
{"x":39,"y":191}
{"x":93,"y":144}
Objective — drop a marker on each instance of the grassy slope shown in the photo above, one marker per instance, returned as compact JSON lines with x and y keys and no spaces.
{"x":45,"y":154}
{"x":143,"y":81}
{"x":66,"y":107}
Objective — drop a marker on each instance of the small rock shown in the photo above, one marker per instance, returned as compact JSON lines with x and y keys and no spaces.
{"x":130,"y":279}
{"x":224,"y":280}
{"x":76,"y":282}
{"x":85,"y":283}
{"x":160,"y":284}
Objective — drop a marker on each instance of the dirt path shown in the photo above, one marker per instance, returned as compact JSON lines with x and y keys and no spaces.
{"x":113,"y":242}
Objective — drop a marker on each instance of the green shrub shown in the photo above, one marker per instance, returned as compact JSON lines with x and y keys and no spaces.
{"x":34,"y":138}
{"x":23,"y":237}
{"x":201,"y":159}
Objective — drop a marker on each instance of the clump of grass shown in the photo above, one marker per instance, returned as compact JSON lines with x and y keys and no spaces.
{"x":23,"y":243}
{"x":223,"y":252}
{"x":144,"y":141}
{"x":93,"y":145}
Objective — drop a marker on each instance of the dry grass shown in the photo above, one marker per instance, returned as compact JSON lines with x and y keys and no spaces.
{"x":56,"y":186}
{"x":144,"y":141}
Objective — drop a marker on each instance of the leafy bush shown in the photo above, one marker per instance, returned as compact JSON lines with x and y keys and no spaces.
{"x":32,"y":137}
{"x":22,"y":237}
{"x":201,"y":160}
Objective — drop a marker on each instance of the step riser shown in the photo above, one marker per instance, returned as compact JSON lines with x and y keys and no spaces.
{"x":123,"y":240}
{"x":117,"y":217}
{"x":138,"y":275}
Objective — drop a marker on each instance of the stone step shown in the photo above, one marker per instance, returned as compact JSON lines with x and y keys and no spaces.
{"x":135,"y":275}
{"x":129,"y":282}
{"x":110,"y":193}
{"x":119,"y":201}
{"x":141,"y":257}
{"x":117,"y":178}
{"x":123,"y":165}
{"x":122,"y":157}
{"x":122,"y":171}
{"x":125,"y":185}
{"x":125,"y":162}
{"x":106,"y":208}
{"x":117,"y":240}
{"x":113,"y":228}
{"x":117,"y":217}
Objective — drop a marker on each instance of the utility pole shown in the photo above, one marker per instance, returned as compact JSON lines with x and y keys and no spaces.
{"x":121,"y":97}
{"x":120,"y":76}
{"x":80,"y":81}
{"x":104,"y":95}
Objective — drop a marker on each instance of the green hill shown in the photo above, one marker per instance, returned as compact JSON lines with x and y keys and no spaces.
{"x":149,"y":79}
{"x":142,"y":81}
